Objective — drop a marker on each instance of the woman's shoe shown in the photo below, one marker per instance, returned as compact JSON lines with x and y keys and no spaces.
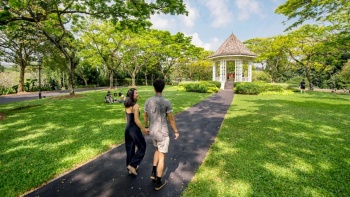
{"x":132,"y":170}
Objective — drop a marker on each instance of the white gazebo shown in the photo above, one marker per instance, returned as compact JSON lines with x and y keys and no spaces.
{"x":232,"y":50}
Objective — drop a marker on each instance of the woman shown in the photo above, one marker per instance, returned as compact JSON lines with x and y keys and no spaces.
{"x":133,"y":135}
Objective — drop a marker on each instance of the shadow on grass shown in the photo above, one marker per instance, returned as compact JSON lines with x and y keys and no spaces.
{"x":107,"y":176}
{"x":41,"y":142}
{"x":280,"y":146}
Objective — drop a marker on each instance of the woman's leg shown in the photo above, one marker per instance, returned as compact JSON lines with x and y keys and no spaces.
{"x":140,"y":143}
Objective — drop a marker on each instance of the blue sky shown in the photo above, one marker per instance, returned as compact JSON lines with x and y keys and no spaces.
{"x":211,"y":22}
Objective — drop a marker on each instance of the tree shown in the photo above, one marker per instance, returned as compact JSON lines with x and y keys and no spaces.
{"x":52,"y":18}
{"x":19,"y":45}
{"x":333,"y":14}
{"x":139,"y":52}
{"x":172,"y":49}
{"x":271,"y":54}
{"x":195,"y":64}
{"x":345,"y":73}
{"x":101,"y":43}
{"x":309,"y":48}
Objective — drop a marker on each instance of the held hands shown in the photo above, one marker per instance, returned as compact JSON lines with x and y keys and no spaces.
{"x":177,"y":135}
{"x":146,"y":131}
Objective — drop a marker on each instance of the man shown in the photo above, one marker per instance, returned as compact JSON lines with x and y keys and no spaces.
{"x":302,"y":86}
{"x":157,"y":110}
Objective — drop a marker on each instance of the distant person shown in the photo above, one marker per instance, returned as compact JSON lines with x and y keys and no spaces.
{"x":157,"y":110}
{"x":302,"y":86}
{"x":133,"y":135}
{"x":121,"y":98}
{"x":115,"y":97}
{"x":108,"y":97}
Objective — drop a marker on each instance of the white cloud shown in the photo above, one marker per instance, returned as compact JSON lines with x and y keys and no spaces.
{"x":190,"y":20}
{"x":220,"y":13}
{"x":162,"y":22}
{"x":212,"y":45}
{"x":247,"y":8}
{"x":197,"y":41}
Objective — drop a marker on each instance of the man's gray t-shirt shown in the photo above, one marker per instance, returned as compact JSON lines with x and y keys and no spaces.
{"x":157,"y":108}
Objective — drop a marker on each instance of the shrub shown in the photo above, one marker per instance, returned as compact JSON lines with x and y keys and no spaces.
{"x":6,"y":90}
{"x":261,"y":76}
{"x":202,"y":87}
{"x":258,"y":88}
{"x":247,"y":88}
{"x":216,"y":83}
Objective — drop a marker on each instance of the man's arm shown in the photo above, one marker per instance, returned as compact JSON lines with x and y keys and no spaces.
{"x":173,"y":124}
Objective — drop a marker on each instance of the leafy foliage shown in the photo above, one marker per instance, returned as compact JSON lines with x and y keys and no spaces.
{"x":202,"y":86}
{"x":256,"y":88}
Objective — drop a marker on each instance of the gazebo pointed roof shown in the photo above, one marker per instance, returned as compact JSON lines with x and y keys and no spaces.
{"x":232,"y":47}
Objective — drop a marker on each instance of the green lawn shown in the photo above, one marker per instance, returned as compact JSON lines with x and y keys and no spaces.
{"x":41,"y":139}
{"x":294,"y":145}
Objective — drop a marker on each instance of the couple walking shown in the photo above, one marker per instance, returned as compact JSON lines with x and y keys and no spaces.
{"x":156,"y":111}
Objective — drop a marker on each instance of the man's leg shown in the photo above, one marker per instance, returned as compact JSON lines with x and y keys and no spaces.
{"x":155,"y":163}
{"x":160,"y":166}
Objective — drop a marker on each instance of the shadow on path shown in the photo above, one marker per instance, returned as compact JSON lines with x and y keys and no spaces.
{"x":107,"y":176}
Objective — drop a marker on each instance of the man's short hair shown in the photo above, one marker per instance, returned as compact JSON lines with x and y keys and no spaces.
{"x":159,"y":85}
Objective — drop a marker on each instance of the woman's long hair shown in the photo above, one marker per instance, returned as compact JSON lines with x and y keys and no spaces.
{"x":129,"y":100}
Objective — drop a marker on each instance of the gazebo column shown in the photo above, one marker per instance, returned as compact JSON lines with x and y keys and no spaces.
{"x":214,"y":71}
{"x":238,"y":70}
{"x":222,"y":73}
{"x":250,"y":64}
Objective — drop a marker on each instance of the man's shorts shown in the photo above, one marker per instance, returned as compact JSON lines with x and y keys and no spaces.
{"x":162,"y":145}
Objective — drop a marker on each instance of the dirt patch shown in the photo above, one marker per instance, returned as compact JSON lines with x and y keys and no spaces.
{"x":67,"y":96}
{"x":2,"y":116}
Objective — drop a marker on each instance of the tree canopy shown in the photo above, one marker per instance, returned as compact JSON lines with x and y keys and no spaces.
{"x":53,"y":18}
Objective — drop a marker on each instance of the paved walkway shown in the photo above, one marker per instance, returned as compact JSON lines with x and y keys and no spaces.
{"x":35,"y":95}
{"x":107,"y":176}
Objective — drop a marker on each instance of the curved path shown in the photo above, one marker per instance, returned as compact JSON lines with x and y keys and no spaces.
{"x":107,"y":176}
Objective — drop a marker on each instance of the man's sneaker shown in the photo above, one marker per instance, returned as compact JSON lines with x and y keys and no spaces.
{"x":160,"y":185}
{"x":132,"y":170}
{"x":153,"y":177}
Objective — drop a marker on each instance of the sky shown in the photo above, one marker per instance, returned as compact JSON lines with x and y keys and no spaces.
{"x":211,"y":22}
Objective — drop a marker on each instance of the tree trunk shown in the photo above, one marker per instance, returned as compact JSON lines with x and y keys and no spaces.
{"x":133,"y":83}
{"x":85,"y":81}
{"x":21,"y":78}
{"x":70,"y":78}
{"x":111,"y":79}
{"x":146,"y":79}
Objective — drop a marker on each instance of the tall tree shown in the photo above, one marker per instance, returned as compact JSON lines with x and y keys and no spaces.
{"x":271,"y":54}
{"x":308,"y":47}
{"x":19,"y":44}
{"x":195,"y":65}
{"x":139,"y":52}
{"x":335,"y":14}
{"x":53,"y":18}
{"x":101,"y":43}
{"x":172,"y":49}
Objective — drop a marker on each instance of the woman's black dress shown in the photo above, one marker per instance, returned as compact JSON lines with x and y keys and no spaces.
{"x":134,"y":138}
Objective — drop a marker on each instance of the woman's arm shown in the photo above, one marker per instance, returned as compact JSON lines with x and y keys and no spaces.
{"x":137,"y":119}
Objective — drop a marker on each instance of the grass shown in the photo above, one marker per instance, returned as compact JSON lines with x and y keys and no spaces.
{"x":295,"y":145}
{"x":41,"y":139}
